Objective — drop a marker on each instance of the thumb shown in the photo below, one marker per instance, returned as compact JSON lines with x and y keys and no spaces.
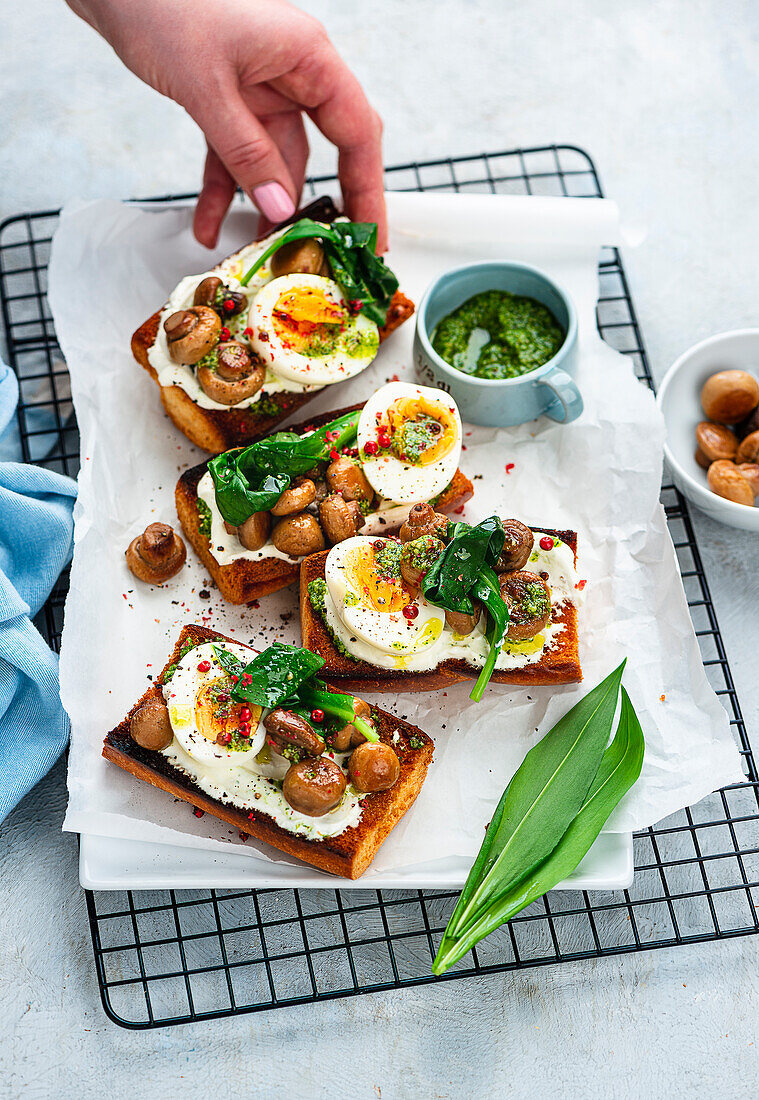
{"x":248,"y":153}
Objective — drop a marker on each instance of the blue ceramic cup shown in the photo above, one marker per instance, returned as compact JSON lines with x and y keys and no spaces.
{"x":498,"y":402}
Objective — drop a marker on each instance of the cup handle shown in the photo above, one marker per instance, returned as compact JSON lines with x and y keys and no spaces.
{"x":567,"y":403}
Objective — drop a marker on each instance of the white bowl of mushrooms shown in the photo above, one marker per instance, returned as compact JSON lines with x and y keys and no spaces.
{"x":710,"y":402}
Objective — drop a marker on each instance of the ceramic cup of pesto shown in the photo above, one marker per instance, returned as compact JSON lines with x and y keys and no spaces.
{"x":501,"y":338}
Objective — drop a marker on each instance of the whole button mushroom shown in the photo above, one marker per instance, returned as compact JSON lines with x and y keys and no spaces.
{"x":727,"y":481}
{"x":157,"y":554}
{"x":517,"y":546}
{"x":461,"y":623}
{"x":423,"y":520}
{"x":348,"y":479}
{"x":315,"y":786}
{"x":340,"y":519}
{"x":191,"y":333}
{"x":349,"y":735}
{"x":373,"y":766}
{"x":749,"y":449}
{"x":150,"y":726}
{"x":729,"y":395}
{"x":528,"y":599}
{"x":299,"y":257}
{"x":236,"y":377}
{"x":292,"y":729}
{"x":750,"y":471}
{"x":715,"y":441}
{"x":295,"y":499}
{"x":298,"y":536}
{"x":206,"y":291}
{"x":254,"y":532}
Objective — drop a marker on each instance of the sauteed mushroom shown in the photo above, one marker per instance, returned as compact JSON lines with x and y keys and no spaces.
{"x":373,"y":766}
{"x":236,"y":376}
{"x":298,"y":535}
{"x":191,"y":333}
{"x":254,"y":532}
{"x":157,"y":554}
{"x":460,"y":622}
{"x":349,"y":735}
{"x":296,"y":498}
{"x":292,"y":729}
{"x":417,"y":558}
{"x":314,"y":786}
{"x":341,"y":519}
{"x":206,"y":290}
{"x":528,"y":599}
{"x":150,"y":726}
{"x":306,"y":257}
{"x":348,"y":479}
{"x":423,"y":520}
{"x":226,"y":304}
{"x":517,"y":546}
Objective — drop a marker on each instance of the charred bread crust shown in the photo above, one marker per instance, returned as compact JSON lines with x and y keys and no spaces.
{"x":348,"y":854}
{"x":216,"y":430}
{"x":559,"y":665}
{"x":243,"y":581}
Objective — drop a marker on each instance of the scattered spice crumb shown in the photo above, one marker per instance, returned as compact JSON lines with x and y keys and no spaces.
{"x":509,"y":467}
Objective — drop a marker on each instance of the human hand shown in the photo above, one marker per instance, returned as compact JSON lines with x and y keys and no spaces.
{"x":247,"y":71}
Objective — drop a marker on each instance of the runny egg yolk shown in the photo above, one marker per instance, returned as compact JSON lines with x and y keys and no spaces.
{"x":216,"y":713}
{"x":380,"y":593}
{"x":302,"y":309}
{"x":424,"y":429}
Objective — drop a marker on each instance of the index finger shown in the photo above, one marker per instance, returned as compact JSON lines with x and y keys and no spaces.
{"x":336,"y":103}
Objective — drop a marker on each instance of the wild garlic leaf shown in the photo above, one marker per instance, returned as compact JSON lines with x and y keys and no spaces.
{"x":544,"y":794}
{"x":619,"y":770}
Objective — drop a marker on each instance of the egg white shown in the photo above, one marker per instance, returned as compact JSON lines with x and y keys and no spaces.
{"x":391,"y":478}
{"x":290,"y":364}
{"x":390,"y":632}
{"x":180,"y":694}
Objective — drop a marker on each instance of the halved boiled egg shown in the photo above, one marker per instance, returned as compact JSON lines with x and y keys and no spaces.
{"x":372,"y":601}
{"x":207,"y":722}
{"x":409,"y":438}
{"x":304,"y":331}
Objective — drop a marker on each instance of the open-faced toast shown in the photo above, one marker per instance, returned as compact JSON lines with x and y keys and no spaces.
{"x":558,"y":664}
{"x":350,"y":852}
{"x":244,"y":580}
{"x":215,"y":430}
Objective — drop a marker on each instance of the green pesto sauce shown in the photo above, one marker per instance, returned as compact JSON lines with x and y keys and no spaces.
{"x":325,"y":340}
{"x":414,"y":437}
{"x":388,"y":560}
{"x":422,"y":553}
{"x":496,"y":334}
{"x":204,"y":518}
{"x":172,"y":668}
{"x":317,"y":591}
{"x":534,"y":601}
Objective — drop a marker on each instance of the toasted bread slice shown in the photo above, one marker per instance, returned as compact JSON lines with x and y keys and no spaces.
{"x":348,"y":854}
{"x":244,"y":580}
{"x":558,"y":665}
{"x":216,"y":430}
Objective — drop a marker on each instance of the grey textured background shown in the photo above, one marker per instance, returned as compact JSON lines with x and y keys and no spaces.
{"x":663,"y":93}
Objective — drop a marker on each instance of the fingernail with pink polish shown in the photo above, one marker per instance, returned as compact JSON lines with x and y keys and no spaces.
{"x":273,"y":201}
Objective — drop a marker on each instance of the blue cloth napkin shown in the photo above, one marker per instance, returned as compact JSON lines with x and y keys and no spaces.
{"x":36,"y":540}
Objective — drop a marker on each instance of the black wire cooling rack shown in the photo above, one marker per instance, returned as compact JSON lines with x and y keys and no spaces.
{"x":166,"y":957}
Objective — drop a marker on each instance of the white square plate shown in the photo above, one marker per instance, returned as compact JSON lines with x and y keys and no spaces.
{"x":111,"y":863}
